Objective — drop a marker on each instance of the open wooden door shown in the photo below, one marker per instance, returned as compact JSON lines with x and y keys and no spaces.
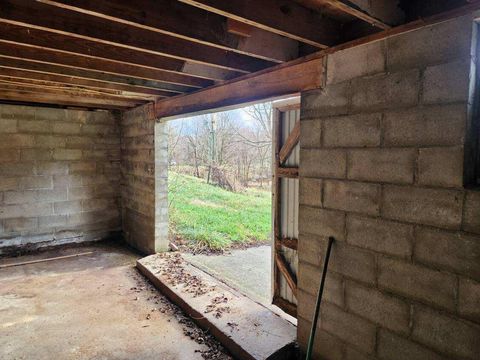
{"x":286,"y":134}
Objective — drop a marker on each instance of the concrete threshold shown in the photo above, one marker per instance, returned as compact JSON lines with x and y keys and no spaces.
{"x":246,"y":328}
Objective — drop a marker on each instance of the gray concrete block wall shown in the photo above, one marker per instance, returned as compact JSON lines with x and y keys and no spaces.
{"x":144,"y":169}
{"x":381,"y":170}
{"x":59,"y":176}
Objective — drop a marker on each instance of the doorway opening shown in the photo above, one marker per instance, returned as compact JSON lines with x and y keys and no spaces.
{"x":233,"y":197}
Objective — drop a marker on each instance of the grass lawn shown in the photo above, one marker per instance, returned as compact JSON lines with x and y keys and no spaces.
{"x":208,"y":216}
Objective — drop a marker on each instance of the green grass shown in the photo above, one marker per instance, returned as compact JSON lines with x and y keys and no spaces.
{"x":208,"y":216}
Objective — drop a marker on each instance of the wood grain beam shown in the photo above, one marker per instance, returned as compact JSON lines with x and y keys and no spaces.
{"x":91,"y":84}
{"x":57,"y":99}
{"x":173,"y":18}
{"x":284,"y":79}
{"x":290,"y":143}
{"x":283,"y":17}
{"x":84,"y":63}
{"x":106,"y":79}
{"x":89,"y":27}
{"x":284,"y":269}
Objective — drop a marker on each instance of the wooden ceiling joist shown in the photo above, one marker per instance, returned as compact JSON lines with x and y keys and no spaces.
{"x":173,"y":18}
{"x":32,"y":14}
{"x":283,"y":17}
{"x":16,"y":74}
{"x":93,"y":65}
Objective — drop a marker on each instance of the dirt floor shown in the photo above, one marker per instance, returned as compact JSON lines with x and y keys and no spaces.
{"x":95,"y":306}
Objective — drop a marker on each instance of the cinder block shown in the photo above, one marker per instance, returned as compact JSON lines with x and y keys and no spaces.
{"x":16,"y":169}
{"x":36,"y":154}
{"x":394,"y":347}
{"x":34,"y":126}
{"x":323,"y":163}
{"x":353,"y":262}
{"x":311,"y":248}
{"x":417,"y":282}
{"x":355,"y":62}
{"x":382,"y":165}
{"x":49,"y":141}
{"x":308,"y":277}
{"x":427,"y":126}
{"x":310,"y":133}
{"x":70,"y":128}
{"x":20,"y":197}
{"x":67,"y":207}
{"x":20,"y":224}
{"x":8,"y":126}
{"x":352,"y":353}
{"x":25,"y":210}
{"x":8,"y":183}
{"x":469,"y":299}
{"x":325,"y":346}
{"x":51,"y":168}
{"x":442,"y":208}
{"x":97,"y":204}
{"x":80,"y":193}
{"x":67,"y":154}
{"x":387,"y":311}
{"x":52,"y":195}
{"x":35,"y":182}
{"x":471,"y":219}
{"x":310,"y":191}
{"x":352,"y":131}
{"x":441,"y":166}
{"x":446,"y":83}
{"x":9,"y":155}
{"x":386,"y":91}
{"x":50,"y":114}
{"x":82,"y":167}
{"x":17,"y":112}
{"x":81,"y":142}
{"x":348,"y":327}
{"x":332,"y":100}
{"x":458,"y":339}
{"x":9,"y":141}
{"x":53,"y":221}
{"x":321,"y":222}
{"x":435,"y":44}
{"x":380,"y":235}
{"x":352,"y":196}
{"x":455,"y":252}
{"x":64,"y":181}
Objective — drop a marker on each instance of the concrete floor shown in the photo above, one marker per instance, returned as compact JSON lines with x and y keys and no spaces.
{"x":88,"y":307}
{"x":248,"y":270}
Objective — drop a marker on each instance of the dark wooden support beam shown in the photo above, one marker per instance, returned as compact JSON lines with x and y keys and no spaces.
{"x":33,"y":14}
{"x":288,"y":243}
{"x":284,"y":269}
{"x":171,"y":17}
{"x":290,"y":143}
{"x":287,"y":172}
{"x":283,"y":17}
{"x":284,"y":79}
{"x":288,"y":307}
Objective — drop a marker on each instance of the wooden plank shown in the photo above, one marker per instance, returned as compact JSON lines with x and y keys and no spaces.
{"x":276,"y":203}
{"x":288,"y":243}
{"x":51,"y":18}
{"x":36,"y":97}
{"x":284,"y":269}
{"x":279,"y":81}
{"x":15,"y":74}
{"x":285,"y":18}
{"x":108,"y":79}
{"x":290,"y":143}
{"x":183,"y":21}
{"x":287,"y":306}
{"x":287,"y":172}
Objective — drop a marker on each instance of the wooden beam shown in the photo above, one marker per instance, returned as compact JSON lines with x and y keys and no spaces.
{"x":283,"y":17}
{"x":46,"y":56}
{"x":288,"y":243}
{"x":284,"y":269}
{"x":16,"y":74}
{"x":290,"y":143}
{"x":288,"y":307}
{"x":68,"y":100}
{"x":350,"y":8}
{"x":173,"y":18}
{"x":284,"y":79}
{"x":51,"y":18}
{"x":106,"y":79}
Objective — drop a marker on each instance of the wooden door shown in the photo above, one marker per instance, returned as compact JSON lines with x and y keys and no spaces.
{"x":286,"y":134}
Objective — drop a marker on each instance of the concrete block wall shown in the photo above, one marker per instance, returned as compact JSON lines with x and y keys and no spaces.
{"x":141,"y":227}
{"x":59,"y":176}
{"x":381,"y":170}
